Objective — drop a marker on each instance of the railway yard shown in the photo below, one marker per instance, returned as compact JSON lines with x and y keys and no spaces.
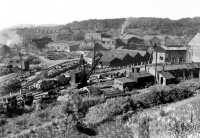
{"x":56,"y":78}
{"x":58,"y":81}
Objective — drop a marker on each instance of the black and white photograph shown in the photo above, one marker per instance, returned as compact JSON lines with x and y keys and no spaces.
{"x":99,"y":69}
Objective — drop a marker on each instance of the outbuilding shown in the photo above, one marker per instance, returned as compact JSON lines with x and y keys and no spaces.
{"x":123,"y":83}
{"x":166,"y":78}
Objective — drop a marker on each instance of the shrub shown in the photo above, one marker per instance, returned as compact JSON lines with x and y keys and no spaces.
{"x":44,"y":115}
{"x":2,"y":122}
{"x":106,"y":111}
{"x":162,"y":95}
{"x":144,"y":128}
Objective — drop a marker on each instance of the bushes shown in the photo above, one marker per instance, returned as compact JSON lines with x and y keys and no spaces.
{"x":3,"y":122}
{"x":106,"y":111}
{"x":162,"y":95}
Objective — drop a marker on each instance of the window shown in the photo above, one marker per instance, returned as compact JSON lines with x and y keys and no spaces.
{"x":161,"y":58}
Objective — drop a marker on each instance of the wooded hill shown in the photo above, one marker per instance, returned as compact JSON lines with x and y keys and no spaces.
{"x":76,"y":30}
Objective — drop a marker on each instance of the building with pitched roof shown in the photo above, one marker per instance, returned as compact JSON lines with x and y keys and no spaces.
{"x":123,"y":57}
{"x":179,"y":71}
{"x":123,"y":83}
{"x":194,"y":49}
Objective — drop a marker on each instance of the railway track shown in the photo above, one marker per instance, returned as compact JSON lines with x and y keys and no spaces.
{"x":38,"y":95}
{"x":45,"y":70}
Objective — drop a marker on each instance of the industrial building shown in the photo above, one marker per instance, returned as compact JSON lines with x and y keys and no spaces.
{"x":179,"y":71}
{"x":55,"y":46}
{"x":104,"y":40}
{"x":171,"y":54}
{"x":142,"y":78}
{"x":123,"y":57}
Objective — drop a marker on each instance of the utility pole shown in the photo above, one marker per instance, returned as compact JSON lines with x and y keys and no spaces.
{"x":155,"y":48}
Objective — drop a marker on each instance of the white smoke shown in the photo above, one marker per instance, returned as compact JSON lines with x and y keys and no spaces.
{"x":10,"y":38}
{"x":126,"y":23}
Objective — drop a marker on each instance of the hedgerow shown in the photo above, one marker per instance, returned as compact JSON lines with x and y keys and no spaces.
{"x":157,"y":95}
{"x":163,"y":94}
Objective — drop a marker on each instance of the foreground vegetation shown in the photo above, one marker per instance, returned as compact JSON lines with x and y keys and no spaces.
{"x":146,"y":113}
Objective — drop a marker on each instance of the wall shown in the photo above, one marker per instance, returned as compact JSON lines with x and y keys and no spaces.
{"x":118,"y":84}
{"x":58,"y":47}
{"x":174,"y":56}
{"x":195,"y":48}
{"x":93,"y":36}
{"x":74,"y":47}
{"x":159,"y":80}
{"x":160,"y":57}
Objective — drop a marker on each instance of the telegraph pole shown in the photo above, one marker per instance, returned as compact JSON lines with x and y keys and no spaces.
{"x":155,"y":48}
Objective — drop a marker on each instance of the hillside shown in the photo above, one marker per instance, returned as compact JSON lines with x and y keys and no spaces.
{"x":184,"y":26}
{"x":76,"y":30}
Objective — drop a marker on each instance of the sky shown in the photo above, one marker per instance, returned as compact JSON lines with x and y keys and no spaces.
{"x":38,"y":12}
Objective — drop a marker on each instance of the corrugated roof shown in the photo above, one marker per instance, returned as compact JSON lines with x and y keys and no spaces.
{"x":176,"y":66}
{"x":174,"y":47}
{"x":128,"y":36}
{"x":142,"y":74}
{"x":166,"y":39}
{"x":124,"y":80}
{"x":167,"y":75}
{"x":117,"y":53}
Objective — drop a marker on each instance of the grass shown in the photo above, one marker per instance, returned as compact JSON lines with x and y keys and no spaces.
{"x":180,"y":118}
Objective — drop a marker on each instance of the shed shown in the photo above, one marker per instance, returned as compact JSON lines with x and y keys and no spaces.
{"x":166,"y":78}
{"x":123,"y":83}
{"x":142,"y":78}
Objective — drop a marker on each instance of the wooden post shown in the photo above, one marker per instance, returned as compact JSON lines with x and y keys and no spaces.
{"x":184,"y":74}
{"x":199,"y":73}
{"x":192,"y":74}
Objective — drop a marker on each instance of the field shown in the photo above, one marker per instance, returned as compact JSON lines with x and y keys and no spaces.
{"x":177,"y":114}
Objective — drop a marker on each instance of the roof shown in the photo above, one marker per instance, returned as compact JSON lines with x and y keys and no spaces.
{"x":142,"y":74}
{"x":174,"y":47}
{"x":128,"y":36}
{"x":124,"y":80}
{"x":120,"y":53}
{"x":194,"y":39}
{"x":177,"y":66}
{"x":160,"y":49}
{"x":166,"y":39}
{"x":167,"y":75}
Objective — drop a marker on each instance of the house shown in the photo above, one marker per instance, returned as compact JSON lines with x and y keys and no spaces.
{"x":194,"y":49}
{"x":131,"y":42}
{"x":124,"y":83}
{"x":166,"y":78}
{"x":171,"y":54}
{"x":98,"y":36}
{"x":105,"y":40}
